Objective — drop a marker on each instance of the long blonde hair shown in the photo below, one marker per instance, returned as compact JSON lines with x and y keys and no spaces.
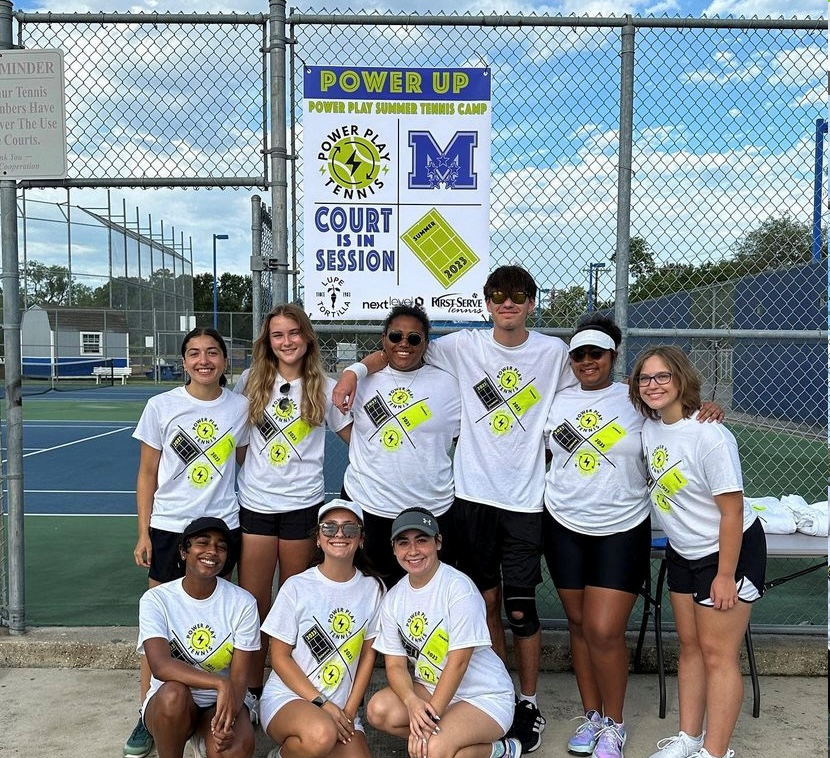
{"x":264,"y":366}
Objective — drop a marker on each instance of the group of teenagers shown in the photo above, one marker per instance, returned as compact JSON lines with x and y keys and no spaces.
{"x":470,"y":457}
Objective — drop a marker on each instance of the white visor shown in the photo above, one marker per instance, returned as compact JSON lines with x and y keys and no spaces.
{"x":592,"y":337}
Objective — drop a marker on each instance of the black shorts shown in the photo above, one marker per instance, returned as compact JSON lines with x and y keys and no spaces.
{"x":166,"y":563}
{"x":494,"y":545}
{"x":615,"y":561}
{"x":695,"y":577}
{"x":291,"y":525}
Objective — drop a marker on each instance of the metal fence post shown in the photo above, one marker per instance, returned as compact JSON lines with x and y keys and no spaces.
{"x":256,"y":263}
{"x":278,"y":152}
{"x":624,"y":187}
{"x":14,"y":399}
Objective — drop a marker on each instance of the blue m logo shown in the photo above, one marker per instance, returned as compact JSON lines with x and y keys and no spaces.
{"x":452,"y":166}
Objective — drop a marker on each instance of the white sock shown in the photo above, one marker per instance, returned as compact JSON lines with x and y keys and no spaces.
{"x":529,"y":698}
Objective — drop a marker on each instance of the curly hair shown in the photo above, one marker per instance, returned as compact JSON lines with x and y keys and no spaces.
{"x":264,"y":366}
{"x":684,"y":377}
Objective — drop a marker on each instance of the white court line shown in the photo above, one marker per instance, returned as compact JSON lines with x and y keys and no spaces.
{"x":81,"y":492}
{"x":74,"y":442}
{"x":73,"y":424}
{"x":82,"y":515}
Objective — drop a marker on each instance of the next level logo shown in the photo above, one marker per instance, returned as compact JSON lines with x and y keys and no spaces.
{"x":451,"y":166}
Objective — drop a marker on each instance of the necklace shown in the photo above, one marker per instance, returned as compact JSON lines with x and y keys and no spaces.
{"x":402,"y":395}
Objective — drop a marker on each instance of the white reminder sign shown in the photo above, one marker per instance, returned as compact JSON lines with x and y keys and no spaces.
{"x":32,"y":115}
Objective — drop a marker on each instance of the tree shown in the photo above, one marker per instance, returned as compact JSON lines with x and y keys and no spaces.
{"x":566,"y":306}
{"x":234,"y":293}
{"x":53,"y":285}
{"x":203,"y":292}
{"x":640,"y":258}
{"x":777,"y":243}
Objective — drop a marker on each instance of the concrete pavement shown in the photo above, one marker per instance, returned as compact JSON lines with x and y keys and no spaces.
{"x":75,"y":691}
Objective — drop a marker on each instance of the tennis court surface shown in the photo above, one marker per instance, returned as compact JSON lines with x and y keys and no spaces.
{"x":80,"y":464}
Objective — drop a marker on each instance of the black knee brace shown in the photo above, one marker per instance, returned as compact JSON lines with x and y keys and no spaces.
{"x":521,"y":600}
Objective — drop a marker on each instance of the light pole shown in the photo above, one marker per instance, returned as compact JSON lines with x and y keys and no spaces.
{"x":215,"y":297}
{"x":593,"y":283}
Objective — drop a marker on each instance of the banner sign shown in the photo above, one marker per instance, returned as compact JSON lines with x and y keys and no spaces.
{"x":32,"y":115}
{"x":396,"y":191}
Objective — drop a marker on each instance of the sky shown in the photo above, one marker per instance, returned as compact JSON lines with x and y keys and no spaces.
{"x":197,"y":214}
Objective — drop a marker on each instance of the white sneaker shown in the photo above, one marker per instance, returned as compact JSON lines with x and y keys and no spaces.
{"x":197,"y":742}
{"x":679,"y":746}
{"x":704,"y":753}
{"x":252,"y":701}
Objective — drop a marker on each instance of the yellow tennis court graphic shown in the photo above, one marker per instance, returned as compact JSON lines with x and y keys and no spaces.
{"x":222,"y":449}
{"x":220,"y":659}
{"x":608,"y":436}
{"x":440,"y":248}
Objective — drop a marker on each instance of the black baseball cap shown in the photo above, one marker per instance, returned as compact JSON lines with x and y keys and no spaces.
{"x":206,"y":524}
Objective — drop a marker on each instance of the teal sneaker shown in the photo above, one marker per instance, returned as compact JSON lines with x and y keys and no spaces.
{"x":584,"y":739}
{"x":139,"y":743}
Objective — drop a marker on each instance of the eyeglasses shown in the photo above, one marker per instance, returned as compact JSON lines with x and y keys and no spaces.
{"x":661,"y":377}
{"x":498,"y":297}
{"x":595,"y":353}
{"x":413,"y":338}
{"x":350,"y":529}
{"x":285,"y":402}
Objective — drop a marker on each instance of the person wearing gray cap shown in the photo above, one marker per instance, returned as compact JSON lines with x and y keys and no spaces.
{"x":460,"y":695}
{"x":321,"y":626}
{"x":199,"y":634}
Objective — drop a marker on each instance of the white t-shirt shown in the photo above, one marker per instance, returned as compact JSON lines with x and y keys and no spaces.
{"x":327,"y":622}
{"x":689,"y":463}
{"x":399,"y":454}
{"x":596,"y":483}
{"x":198,"y":441}
{"x":506,"y":393}
{"x":447,"y":614}
{"x":283,"y":470}
{"x":202,"y":633}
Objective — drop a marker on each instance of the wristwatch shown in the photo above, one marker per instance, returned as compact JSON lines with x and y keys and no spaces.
{"x":320,"y":700}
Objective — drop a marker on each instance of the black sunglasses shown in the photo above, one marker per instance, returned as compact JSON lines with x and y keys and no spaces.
{"x":413,"y":338}
{"x":595,"y":353}
{"x":285,"y":402}
{"x":498,"y":297}
{"x":350,"y":529}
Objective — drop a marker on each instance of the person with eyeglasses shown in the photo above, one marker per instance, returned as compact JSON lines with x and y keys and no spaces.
{"x":321,"y":627}
{"x":192,"y":438}
{"x":597,"y":527}
{"x":281,"y":484}
{"x":716,"y":553}
{"x":507,"y":379}
{"x":406,"y":418}
{"x":458,"y":700}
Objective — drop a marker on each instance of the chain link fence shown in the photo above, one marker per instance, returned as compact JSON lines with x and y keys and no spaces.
{"x":708,"y":236}
{"x":160,"y":100}
{"x":721,"y":246}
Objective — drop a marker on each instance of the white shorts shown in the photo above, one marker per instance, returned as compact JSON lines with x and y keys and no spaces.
{"x":275,"y":696}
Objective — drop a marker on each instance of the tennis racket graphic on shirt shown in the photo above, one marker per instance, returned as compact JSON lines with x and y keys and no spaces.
{"x":188,"y":450}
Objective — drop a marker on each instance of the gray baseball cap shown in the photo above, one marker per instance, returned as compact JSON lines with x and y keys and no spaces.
{"x":422,"y":520}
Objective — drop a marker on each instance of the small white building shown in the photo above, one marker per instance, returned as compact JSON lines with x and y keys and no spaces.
{"x":59,"y":342}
